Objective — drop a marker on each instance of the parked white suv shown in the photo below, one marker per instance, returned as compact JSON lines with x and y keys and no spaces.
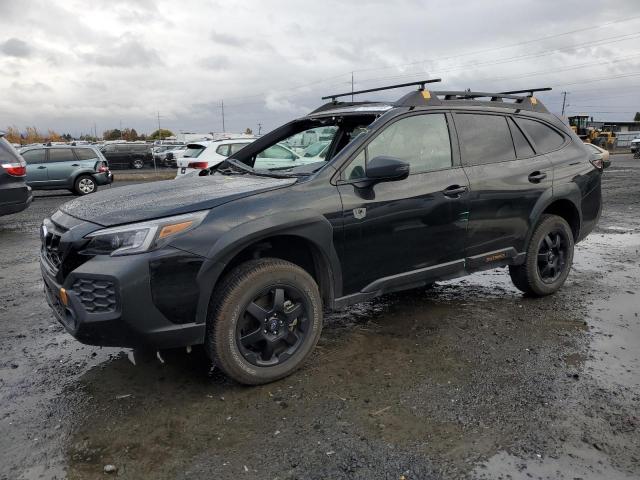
{"x":208,"y":153}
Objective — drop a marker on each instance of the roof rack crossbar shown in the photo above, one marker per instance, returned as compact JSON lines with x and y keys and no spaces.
{"x":420,"y":84}
{"x":530,"y":91}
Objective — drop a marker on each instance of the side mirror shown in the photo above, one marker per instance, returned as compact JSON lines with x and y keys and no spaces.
{"x":387,"y":169}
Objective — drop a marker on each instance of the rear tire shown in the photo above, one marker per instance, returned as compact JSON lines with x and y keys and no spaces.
{"x":137,"y":163}
{"x":549,"y":258}
{"x":84,"y":185}
{"x":264,"y":321}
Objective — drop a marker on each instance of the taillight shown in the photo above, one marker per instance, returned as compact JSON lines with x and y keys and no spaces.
{"x":598,"y":163}
{"x":15,"y":169}
{"x":200,"y":165}
{"x":103,"y":168}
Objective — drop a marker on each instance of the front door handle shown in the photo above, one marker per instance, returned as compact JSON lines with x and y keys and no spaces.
{"x":75,"y":165}
{"x":454,"y":191}
{"x":41,"y":167}
{"x":537,"y":177}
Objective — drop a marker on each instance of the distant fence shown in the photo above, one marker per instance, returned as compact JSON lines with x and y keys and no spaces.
{"x":624,"y":138}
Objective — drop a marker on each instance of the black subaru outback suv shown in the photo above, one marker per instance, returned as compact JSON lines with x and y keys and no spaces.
{"x":433,"y":186}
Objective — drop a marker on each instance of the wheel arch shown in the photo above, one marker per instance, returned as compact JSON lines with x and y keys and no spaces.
{"x":79,"y":173}
{"x":564,"y":202}
{"x":306,"y":242}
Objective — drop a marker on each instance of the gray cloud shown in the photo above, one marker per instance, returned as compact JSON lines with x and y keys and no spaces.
{"x":113,"y":60}
{"x":14,"y":47}
{"x":130,"y":53}
{"x":227,"y":39}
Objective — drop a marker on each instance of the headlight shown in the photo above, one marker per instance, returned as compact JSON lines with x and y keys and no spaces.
{"x":140,"y":237}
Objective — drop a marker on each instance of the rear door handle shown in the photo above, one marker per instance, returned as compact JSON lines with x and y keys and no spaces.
{"x":454,"y":190}
{"x":75,"y":165}
{"x":41,"y":167}
{"x":537,"y":177}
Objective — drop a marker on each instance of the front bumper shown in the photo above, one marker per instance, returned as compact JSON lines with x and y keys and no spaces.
{"x":109,"y":302}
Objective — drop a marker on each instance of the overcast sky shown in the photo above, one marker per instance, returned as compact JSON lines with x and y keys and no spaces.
{"x":67,"y":64}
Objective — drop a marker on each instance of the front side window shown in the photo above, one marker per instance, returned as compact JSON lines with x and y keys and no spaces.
{"x":545,"y":138}
{"x":61,"y":155}
{"x":34,"y":156}
{"x":420,"y":140}
{"x":484,"y":139}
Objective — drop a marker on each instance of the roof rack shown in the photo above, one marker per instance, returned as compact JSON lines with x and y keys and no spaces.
{"x":469,"y":98}
{"x":420,"y":84}
{"x":530,"y":91}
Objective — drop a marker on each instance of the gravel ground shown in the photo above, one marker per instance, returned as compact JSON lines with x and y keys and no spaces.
{"x":467,"y":380}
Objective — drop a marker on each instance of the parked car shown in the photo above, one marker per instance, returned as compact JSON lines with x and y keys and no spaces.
{"x":171,"y":156}
{"x":15,"y":194}
{"x":128,"y":155}
{"x":635,"y":145}
{"x":78,"y":169}
{"x":208,"y":153}
{"x":600,"y":154}
{"x":434,"y":185}
{"x":316,"y":151}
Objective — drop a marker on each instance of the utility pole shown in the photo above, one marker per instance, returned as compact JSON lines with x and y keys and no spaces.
{"x":352,"y":86}
{"x":95,"y":131}
{"x":259,"y":128}
{"x":564,"y":102}
{"x":222,"y":105}
{"x":159,"y":130}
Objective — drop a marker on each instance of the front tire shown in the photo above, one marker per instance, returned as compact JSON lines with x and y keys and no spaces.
{"x":84,"y":185}
{"x":549,"y":258}
{"x":264,"y":321}
{"x":137,"y":163}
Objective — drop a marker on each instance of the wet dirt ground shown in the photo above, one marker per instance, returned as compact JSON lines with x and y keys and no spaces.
{"x":467,"y":380}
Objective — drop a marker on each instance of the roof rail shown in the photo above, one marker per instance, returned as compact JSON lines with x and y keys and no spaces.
{"x":420,"y":84}
{"x":530,"y":91}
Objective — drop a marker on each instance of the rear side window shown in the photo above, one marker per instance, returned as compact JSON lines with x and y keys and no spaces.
{"x":34,"y":156}
{"x":223,"y":150}
{"x":545,"y":138}
{"x":523,"y":148}
{"x":236,"y":147}
{"x":60,"y":155}
{"x":484,"y":139}
{"x":8,"y":154}
{"x":86,"y":154}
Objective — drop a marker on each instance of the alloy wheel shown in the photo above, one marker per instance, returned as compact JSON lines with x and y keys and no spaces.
{"x":552,"y":256}
{"x":273,"y":326}
{"x":86,"y":185}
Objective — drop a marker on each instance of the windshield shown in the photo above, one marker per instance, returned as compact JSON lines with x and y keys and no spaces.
{"x":299,"y":148}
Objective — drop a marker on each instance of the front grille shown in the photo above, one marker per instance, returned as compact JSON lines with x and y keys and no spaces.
{"x":96,"y":295}
{"x":60,"y":255}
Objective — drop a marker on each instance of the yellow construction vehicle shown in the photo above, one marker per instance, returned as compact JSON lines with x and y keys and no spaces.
{"x":583,"y":126}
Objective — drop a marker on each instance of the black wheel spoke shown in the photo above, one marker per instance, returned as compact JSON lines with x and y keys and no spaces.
{"x":294,"y":312}
{"x":267,"y":351}
{"x":545,"y":271}
{"x":256,"y":311}
{"x":252,"y":338}
{"x":542,"y":257}
{"x":278,"y":299}
{"x":291,"y":338}
{"x":548,"y":242}
{"x":558,"y":241}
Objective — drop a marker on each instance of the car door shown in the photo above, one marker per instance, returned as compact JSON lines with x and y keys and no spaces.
{"x":61,"y":165}
{"x":506,"y":179}
{"x":407,"y":229}
{"x":36,"y":166}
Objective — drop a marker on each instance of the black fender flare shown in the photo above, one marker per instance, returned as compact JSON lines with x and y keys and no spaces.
{"x":569,"y":192}
{"x":305,"y":224}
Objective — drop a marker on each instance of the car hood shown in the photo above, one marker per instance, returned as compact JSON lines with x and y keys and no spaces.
{"x":146,"y":201}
